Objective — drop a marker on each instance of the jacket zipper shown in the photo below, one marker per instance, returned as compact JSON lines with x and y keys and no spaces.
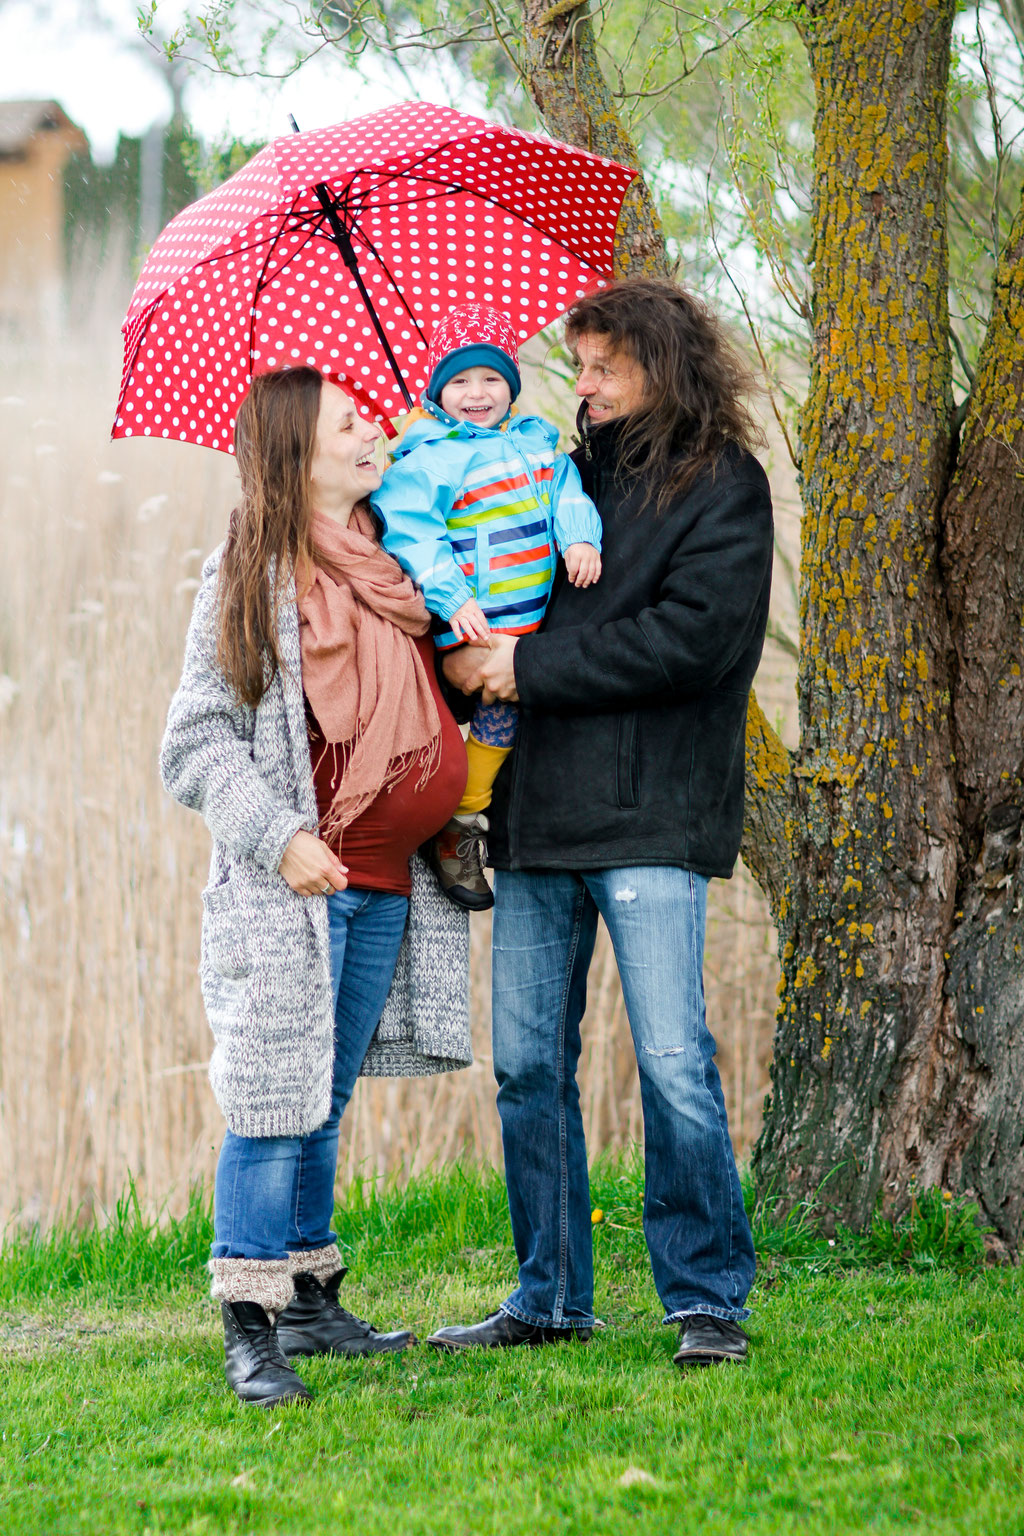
{"x":513,"y":803}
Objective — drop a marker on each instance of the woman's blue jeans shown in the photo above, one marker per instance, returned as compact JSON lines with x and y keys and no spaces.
{"x":274,"y":1195}
{"x":698,"y":1236}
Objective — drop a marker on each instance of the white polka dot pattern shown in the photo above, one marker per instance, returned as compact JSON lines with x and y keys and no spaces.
{"x":472,"y":325}
{"x":442,"y":209}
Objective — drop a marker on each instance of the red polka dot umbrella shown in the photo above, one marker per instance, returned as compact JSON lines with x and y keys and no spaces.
{"x":341,"y":248}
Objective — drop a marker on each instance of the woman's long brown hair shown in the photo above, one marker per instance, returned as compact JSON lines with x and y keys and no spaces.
{"x":269,"y":531}
{"x":695,"y":383}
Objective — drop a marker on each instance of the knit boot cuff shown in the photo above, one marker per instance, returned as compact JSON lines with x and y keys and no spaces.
{"x":321,"y":1263}
{"x":267,"y":1282}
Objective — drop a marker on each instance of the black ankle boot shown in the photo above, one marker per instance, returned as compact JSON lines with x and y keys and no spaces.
{"x":256,"y":1370}
{"x":314,"y":1324}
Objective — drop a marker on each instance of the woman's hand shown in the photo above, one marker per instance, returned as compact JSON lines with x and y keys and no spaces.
{"x":582,"y":564}
{"x":310,"y":868}
{"x":462,"y":667}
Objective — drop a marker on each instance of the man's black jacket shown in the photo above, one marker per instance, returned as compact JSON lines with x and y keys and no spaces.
{"x":634,"y":695}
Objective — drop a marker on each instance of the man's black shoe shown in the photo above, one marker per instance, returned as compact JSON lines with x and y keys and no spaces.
{"x":707,"y":1340}
{"x":313,"y":1323}
{"x":500,"y":1331}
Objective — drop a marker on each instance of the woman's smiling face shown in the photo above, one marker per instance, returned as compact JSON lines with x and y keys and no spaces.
{"x":345,"y":457}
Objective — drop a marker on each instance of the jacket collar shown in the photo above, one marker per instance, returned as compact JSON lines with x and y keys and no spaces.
{"x":599,"y":444}
{"x":432,"y":408}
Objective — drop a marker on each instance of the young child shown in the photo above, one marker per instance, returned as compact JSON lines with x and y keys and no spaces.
{"x":472,"y":507}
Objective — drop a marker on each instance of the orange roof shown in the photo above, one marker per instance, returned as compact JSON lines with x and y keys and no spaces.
{"x":23,"y":121}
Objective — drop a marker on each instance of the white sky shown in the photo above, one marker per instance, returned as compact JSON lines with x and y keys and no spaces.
{"x":100,"y":76}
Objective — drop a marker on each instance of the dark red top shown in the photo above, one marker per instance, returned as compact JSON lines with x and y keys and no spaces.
{"x":377,"y":846}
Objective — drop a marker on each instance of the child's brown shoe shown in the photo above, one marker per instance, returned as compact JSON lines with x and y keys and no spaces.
{"x":457,"y":856}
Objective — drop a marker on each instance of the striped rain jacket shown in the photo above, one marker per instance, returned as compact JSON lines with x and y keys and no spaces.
{"x":479,"y":512}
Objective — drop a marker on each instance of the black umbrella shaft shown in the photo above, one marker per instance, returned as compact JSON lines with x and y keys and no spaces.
{"x":348,"y":255}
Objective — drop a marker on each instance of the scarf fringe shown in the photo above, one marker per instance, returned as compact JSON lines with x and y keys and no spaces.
{"x":345,"y":808}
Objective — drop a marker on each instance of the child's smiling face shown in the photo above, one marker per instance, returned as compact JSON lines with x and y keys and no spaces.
{"x":480,"y":395}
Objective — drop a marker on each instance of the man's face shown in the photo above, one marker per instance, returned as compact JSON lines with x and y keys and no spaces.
{"x":610,"y":381}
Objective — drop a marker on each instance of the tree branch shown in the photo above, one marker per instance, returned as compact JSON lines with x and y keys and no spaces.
{"x":571,"y":94}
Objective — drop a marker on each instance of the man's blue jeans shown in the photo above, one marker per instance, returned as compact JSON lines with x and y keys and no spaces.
{"x":274,"y":1195}
{"x":545,"y":924}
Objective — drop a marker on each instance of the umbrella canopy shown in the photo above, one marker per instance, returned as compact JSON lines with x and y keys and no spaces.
{"x":409,"y":211}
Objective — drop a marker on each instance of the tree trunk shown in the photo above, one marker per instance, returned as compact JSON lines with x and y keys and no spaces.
{"x":980,"y":1119}
{"x":865,"y":925}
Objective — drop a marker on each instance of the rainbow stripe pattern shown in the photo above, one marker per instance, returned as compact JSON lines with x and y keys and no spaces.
{"x":477,"y":512}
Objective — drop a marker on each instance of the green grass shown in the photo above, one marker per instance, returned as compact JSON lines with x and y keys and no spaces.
{"x":878,"y":1399}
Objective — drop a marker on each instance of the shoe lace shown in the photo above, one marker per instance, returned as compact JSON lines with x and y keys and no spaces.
{"x":350,"y":1317}
{"x":471,"y":848}
{"x":262,"y":1344}
{"x":266,"y":1348}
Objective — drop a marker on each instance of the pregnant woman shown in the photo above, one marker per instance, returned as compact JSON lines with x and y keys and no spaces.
{"x":309,"y":732}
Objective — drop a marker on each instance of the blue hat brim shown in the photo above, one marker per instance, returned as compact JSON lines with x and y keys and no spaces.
{"x":479,"y":355}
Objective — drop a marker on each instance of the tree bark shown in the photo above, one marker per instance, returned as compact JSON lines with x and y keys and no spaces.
{"x":570,"y":92}
{"x":979,"y":1122}
{"x":864,"y":928}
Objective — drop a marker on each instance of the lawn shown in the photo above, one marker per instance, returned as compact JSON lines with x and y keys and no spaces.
{"x":879,"y":1397}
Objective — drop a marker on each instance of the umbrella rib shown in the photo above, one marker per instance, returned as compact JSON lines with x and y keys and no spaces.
{"x":262,"y":282}
{"x":507,"y":208}
{"x":369,"y":245}
{"x":455,"y":187}
{"x":303,"y":224}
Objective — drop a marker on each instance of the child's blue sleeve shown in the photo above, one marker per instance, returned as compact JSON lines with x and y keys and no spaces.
{"x":413,"y":505}
{"x":575,"y":518}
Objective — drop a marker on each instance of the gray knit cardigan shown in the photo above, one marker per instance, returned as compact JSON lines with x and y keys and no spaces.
{"x":265,"y":960}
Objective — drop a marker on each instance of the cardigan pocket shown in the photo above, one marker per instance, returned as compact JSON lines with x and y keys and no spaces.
{"x":627,"y":761}
{"x":224,"y":941}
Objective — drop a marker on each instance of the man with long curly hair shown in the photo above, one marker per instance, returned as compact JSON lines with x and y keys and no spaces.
{"x":622,"y":798}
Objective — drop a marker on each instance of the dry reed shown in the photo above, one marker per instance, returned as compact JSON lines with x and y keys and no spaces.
{"x":103,"y":1043}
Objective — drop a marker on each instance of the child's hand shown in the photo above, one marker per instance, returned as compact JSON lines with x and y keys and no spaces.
{"x":582,"y":564}
{"x":468,"y":622}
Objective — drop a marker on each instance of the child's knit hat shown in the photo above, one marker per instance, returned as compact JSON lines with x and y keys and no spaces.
{"x":472,"y":336}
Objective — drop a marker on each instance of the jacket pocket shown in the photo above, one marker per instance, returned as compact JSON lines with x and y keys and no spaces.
{"x":627,"y":761}
{"x":224,"y":941}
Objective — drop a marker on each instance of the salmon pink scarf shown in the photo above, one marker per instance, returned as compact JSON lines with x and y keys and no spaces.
{"x":361,"y":672}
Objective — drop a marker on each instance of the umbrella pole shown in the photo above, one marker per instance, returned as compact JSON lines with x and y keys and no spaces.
{"x":348,"y":256}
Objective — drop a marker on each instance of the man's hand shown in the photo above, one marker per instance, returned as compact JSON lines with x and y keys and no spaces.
{"x":473,"y":667}
{"x":497,"y":672}
{"x":582,"y":564}
{"x":469,"y":623}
